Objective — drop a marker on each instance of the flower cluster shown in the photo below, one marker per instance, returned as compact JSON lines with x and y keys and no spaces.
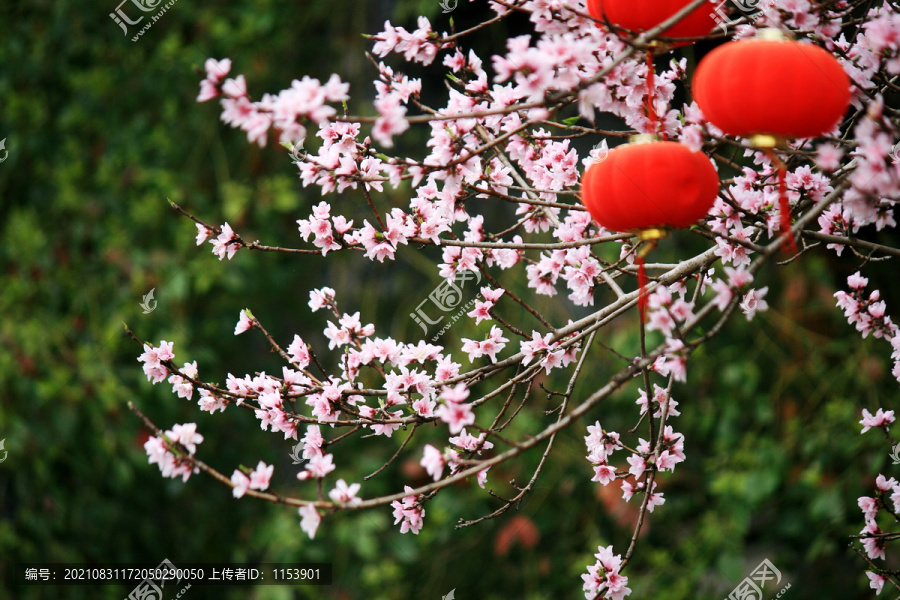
{"x":665,"y":312}
{"x":257,"y":479}
{"x":304,"y":102}
{"x":644,"y":459}
{"x":494,"y":343}
{"x":603,"y":579}
{"x":548,"y":354}
{"x":867,"y":313}
{"x":494,"y":190}
{"x":409,"y":512}
{"x":173,"y":451}
{"x":482,"y":310}
{"x":887,"y":497}
{"x":419,"y":46}
{"x":153,"y":359}
{"x":885,"y":489}
{"x":319,"y":464}
{"x":454,"y":411}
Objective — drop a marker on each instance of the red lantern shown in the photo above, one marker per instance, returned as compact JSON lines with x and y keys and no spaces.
{"x":771,"y":85}
{"x":769,"y":88}
{"x":643,"y":15}
{"x":647,"y":187}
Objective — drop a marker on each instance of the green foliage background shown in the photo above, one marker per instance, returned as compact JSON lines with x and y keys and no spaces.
{"x":101,"y":131}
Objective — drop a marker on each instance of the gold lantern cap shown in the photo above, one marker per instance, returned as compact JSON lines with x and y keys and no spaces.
{"x":772,"y":34}
{"x":766,"y":140}
{"x":643,"y":138}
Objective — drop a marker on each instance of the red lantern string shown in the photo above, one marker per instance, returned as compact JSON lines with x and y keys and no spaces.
{"x":651,"y":111}
{"x":784,"y":206}
{"x":655,"y":121}
{"x":651,"y":237}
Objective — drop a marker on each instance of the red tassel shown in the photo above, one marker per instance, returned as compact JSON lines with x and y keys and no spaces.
{"x":651,"y":111}
{"x":655,"y":124}
{"x":784,"y":207}
{"x":642,"y":285}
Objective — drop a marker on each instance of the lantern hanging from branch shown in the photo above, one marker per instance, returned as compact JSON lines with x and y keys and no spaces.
{"x":770,"y":88}
{"x":643,"y":15}
{"x":647,"y":187}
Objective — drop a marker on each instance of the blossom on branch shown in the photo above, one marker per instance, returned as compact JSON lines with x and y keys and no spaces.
{"x":493,"y":193}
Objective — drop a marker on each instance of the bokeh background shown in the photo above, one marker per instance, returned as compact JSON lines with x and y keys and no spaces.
{"x":101,"y":131}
